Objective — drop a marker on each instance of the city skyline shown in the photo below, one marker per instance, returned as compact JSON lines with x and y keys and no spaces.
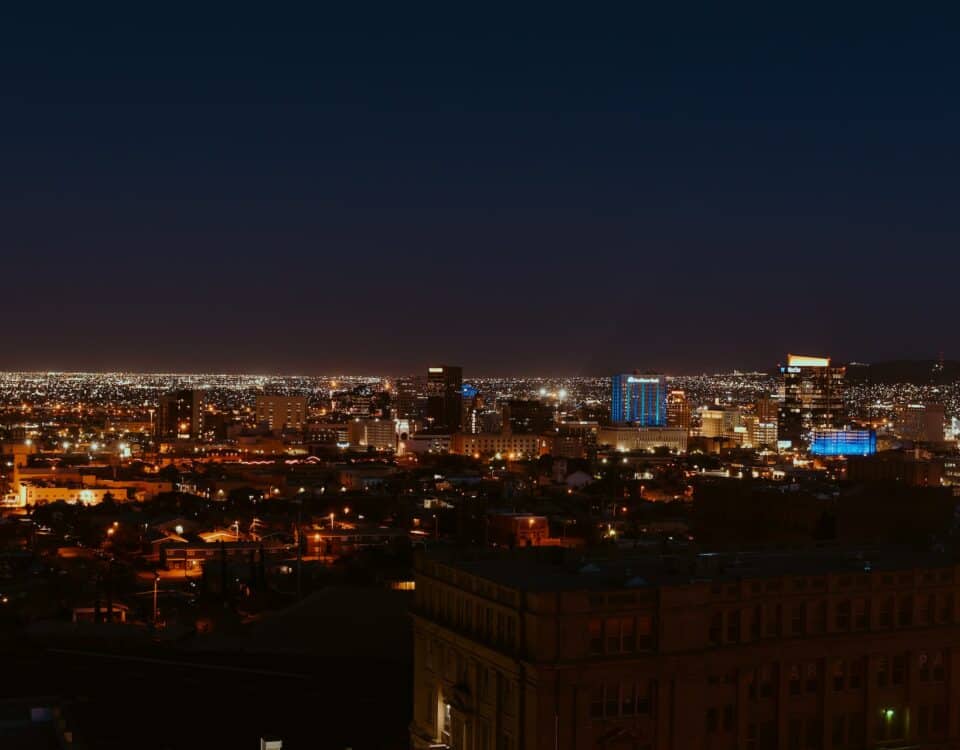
{"x":375,"y":377}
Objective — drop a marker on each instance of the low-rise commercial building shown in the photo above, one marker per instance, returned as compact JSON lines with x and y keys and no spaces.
{"x":505,"y":444}
{"x":626,"y":439}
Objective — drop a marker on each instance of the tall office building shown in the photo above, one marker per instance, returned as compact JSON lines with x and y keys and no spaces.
{"x":527,"y":416}
{"x":639,"y":399}
{"x":282,"y":412}
{"x":767,"y":408}
{"x":678,"y":410}
{"x":445,"y":398}
{"x":811,"y":397}
{"x":180,"y":415}
{"x":409,"y":393}
{"x":921,"y":422}
{"x":722,"y":422}
{"x":472,"y":404}
{"x":763,"y":425}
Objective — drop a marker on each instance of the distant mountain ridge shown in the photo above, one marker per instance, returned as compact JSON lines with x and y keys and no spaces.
{"x":915,"y":371}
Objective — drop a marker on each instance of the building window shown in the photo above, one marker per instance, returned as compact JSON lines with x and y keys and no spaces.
{"x":645,"y":693}
{"x":839,"y":675}
{"x":795,"y":679}
{"x":945,"y":613}
{"x":712,"y":720}
{"x":733,"y":626}
{"x":899,"y":669}
{"x":621,"y":637}
{"x":773,"y":621}
{"x":644,"y":628}
{"x":861,"y":614}
{"x":813,"y":677}
{"x":716,"y":628}
{"x":939,"y":673}
{"x":766,"y":680}
{"x":596,"y":702}
{"x":798,"y":619}
{"x":886,"y":612}
{"x":628,"y":699}
{"x":820,"y":618}
{"x":756,"y":620}
{"x":855,"y":681}
{"x":842,"y":619}
{"x":883,"y":671}
{"x":905,"y":615}
{"x":612,"y":700}
{"x":930,"y":666}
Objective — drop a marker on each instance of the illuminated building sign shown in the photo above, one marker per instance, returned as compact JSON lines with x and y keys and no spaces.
{"x":799,"y":360}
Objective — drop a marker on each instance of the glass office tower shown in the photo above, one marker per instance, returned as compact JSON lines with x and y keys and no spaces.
{"x":639,"y":399}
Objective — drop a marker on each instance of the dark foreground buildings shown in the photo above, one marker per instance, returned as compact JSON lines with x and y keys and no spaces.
{"x":791,"y":650}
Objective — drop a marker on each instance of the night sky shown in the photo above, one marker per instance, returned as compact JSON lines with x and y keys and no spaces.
{"x":517,"y":194}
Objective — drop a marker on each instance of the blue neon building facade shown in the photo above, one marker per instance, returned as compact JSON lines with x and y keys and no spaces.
{"x":639,"y":400}
{"x":843,"y":443}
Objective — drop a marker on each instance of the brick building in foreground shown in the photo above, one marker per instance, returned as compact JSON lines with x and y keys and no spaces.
{"x":796,"y":651}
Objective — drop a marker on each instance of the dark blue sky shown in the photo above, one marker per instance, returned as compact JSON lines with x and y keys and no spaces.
{"x":516,"y":194}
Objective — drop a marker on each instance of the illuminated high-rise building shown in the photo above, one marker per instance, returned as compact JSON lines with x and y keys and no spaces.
{"x":409,"y":397}
{"x":180,"y":415}
{"x":445,"y":398}
{"x":767,"y":408}
{"x":527,"y":416}
{"x":811,"y":397}
{"x":472,"y":404}
{"x":920,"y":422}
{"x":639,"y":399}
{"x":282,"y":412}
{"x":678,"y":410}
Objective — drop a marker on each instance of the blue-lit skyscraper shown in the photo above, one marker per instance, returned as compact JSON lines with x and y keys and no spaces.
{"x":639,"y":399}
